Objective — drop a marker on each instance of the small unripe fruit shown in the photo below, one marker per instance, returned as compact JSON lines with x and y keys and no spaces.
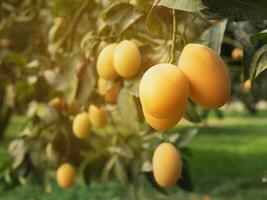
{"x":162,"y":124}
{"x":127,"y":59}
{"x":58,"y":21}
{"x":57,"y":103}
{"x":110,"y":94}
{"x":104,"y":65}
{"x":247,"y":86}
{"x":81,"y":125}
{"x":65,"y":175}
{"x":237,"y":54}
{"x":207,"y":75}
{"x":163,"y":90}
{"x":167,"y":165}
{"x":98,"y":116}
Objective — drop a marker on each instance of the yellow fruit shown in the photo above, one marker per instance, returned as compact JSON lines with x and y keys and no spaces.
{"x":57,"y":103}
{"x":237,"y":54}
{"x":247,"y":86}
{"x":81,"y":125}
{"x":58,"y":21}
{"x":207,"y":75}
{"x":163,"y":90}
{"x":167,"y":165}
{"x":65,"y":175}
{"x":162,"y":124}
{"x":110,"y":94}
{"x":98,"y":116}
{"x":127,"y":59}
{"x":104,"y":65}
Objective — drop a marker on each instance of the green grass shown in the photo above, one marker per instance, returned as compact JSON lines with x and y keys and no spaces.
{"x":228,"y":163}
{"x":230,"y":158}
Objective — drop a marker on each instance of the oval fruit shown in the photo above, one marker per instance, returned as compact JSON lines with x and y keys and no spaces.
{"x":81,"y":125}
{"x":207,"y":75}
{"x":110,"y":94}
{"x":162,"y":124}
{"x":246,"y":86}
{"x":127,"y":59}
{"x":98,"y":116}
{"x":237,"y":54}
{"x":65,"y":175}
{"x":104,"y":65}
{"x":167,"y":165}
{"x":163,"y":90}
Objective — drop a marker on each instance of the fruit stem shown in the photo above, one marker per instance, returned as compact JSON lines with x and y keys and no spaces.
{"x":174,"y":33}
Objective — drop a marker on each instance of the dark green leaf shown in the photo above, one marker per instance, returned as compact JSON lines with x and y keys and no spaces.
{"x":191,"y":113}
{"x":185,"y":181}
{"x":213,"y":37}
{"x":238,"y":9}
{"x":259,"y":62}
{"x":152,"y":181}
{"x":242,"y":36}
{"x":259,"y":38}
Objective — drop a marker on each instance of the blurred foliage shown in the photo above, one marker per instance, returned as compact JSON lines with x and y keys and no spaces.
{"x":49,"y":50}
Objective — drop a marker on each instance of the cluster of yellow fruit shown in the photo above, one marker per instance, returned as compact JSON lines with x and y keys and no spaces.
{"x":83,"y":122}
{"x":165,"y":88}
{"x":61,"y":106}
{"x":164,"y":91}
{"x":114,"y":60}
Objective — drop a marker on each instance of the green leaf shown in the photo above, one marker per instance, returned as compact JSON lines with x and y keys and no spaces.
{"x":186,"y":136}
{"x":17,"y":149}
{"x":154,"y":23}
{"x":116,"y":12}
{"x":238,"y":9}
{"x":242,"y":36}
{"x":128,"y":110}
{"x":152,"y":181}
{"x":185,"y":181}
{"x":259,"y":38}
{"x":86,"y":87}
{"x":191,"y":113}
{"x":258,"y":63}
{"x":186,"y":5}
{"x":213,"y":37}
{"x":119,"y":171}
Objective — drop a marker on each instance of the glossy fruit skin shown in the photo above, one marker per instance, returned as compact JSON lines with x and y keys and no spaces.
{"x":81,"y":125}
{"x":167,"y":165}
{"x":65,"y":175}
{"x":98,"y":116}
{"x":127,"y":59}
{"x":104,"y":65}
{"x":163,"y":90}
{"x":110,"y":94}
{"x":162,"y":124}
{"x":207,"y":75}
